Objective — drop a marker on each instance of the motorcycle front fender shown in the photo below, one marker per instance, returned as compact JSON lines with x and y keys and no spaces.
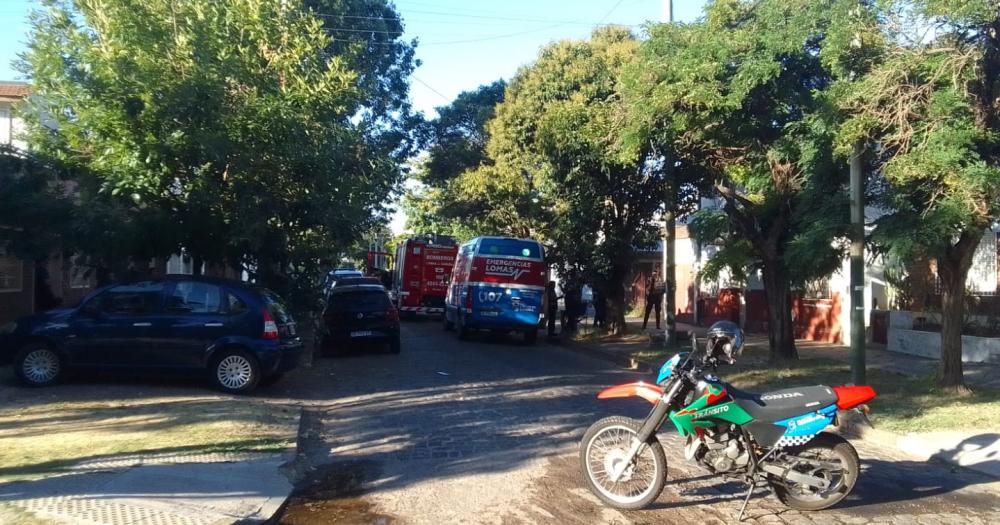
{"x":651,"y":393}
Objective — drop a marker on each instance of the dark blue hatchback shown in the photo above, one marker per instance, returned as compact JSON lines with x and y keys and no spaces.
{"x":241,"y":335}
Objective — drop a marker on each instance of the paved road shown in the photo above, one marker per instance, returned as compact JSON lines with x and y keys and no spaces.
{"x":486,"y":432}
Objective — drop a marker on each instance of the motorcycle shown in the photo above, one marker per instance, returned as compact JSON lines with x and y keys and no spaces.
{"x":775,"y":438}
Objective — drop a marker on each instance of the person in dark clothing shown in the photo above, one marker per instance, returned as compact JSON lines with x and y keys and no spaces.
{"x":654,"y":296}
{"x":551,"y":307}
{"x":574,"y":307}
{"x":600,"y":309}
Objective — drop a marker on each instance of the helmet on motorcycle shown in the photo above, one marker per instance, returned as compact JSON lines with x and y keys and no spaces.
{"x":725,"y":339}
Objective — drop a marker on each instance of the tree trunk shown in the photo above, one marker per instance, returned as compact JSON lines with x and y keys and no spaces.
{"x":953,"y":269}
{"x":952,"y":309}
{"x":621,"y":267}
{"x":780,"y":333}
{"x":616,"y":309}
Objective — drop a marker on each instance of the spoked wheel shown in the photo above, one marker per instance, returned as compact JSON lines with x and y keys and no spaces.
{"x":603,"y":450}
{"x":236,"y":372}
{"x":825,"y":449}
{"x":38,"y":365}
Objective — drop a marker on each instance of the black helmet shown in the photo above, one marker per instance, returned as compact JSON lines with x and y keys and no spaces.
{"x":725,"y":339}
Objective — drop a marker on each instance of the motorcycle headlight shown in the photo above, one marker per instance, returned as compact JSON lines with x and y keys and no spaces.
{"x":8,"y":328}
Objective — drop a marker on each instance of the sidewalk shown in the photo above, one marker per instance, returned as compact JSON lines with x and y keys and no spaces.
{"x":204,"y":489}
{"x":128,"y":453}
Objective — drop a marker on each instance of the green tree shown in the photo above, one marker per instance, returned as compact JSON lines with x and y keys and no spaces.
{"x":558,"y":170}
{"x":742,"y":95}
{"x":456,"y":143}
{"x":35,"y":209}
{"x":269,"y":142}
{"x":930,"y":108}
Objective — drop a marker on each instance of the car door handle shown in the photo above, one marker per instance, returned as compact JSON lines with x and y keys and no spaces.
{"x":142,"y":324}
{"x":214,"y":325}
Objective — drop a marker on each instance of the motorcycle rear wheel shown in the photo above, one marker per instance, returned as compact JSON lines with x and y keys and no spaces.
{"x":604,"y":446}
{"x":825,"y":447}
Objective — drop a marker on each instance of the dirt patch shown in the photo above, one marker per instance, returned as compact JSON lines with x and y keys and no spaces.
{"x":333,"y":494}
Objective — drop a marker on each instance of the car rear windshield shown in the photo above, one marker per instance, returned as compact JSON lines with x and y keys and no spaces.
{"x":359,"y":301}
{"x":353,"y":281}
{"x":510,"y":248}
{"x":276,"y":307}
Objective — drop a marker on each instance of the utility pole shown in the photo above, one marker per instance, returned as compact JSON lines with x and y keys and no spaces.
{"x":669,"y":234}
{"x":857,"y":266}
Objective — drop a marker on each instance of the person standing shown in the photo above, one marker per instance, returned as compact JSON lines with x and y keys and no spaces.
{"x":574,"y":306}
{"x":600,"y":308}
{"x":551,"y":307}
{"x":654,"y":296}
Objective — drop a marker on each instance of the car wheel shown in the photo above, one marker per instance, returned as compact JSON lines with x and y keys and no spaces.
{"x":394,"y":346}
{"x":461,"y":327}
{"x":38,"y":365}
{"x":448,"y":325}
{"x":530,"y":336}
{"x":235,"y":372}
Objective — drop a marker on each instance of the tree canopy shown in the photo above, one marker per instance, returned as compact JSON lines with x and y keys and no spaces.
{"x":742,"y":95}
{"x":929,"y":109}
{"x":270,"y":140}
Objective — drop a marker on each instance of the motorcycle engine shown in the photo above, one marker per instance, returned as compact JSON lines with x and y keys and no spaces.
{"x":719,"y":449}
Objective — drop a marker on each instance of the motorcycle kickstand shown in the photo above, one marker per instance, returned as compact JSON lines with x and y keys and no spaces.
{"x":746,"y":500}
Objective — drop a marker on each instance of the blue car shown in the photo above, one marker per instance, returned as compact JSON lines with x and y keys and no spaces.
{"x":239,"y":334}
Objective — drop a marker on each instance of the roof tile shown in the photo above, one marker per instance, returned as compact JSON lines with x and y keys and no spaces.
{"x":13,"y":89}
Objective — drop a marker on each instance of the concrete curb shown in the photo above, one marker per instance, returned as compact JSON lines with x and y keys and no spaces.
{"x":955,"y":452}
{"x":951,"y":448}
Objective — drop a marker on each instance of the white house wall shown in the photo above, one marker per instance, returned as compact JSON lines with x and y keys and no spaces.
{"x":983,"y":274}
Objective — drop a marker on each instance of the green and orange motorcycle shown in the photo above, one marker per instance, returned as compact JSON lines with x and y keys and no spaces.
{"x":775,"y":438}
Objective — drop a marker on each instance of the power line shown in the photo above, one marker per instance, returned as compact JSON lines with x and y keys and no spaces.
{"x":475,"y":16}
{"x":428,"y":86}
{"x":612,"y":10}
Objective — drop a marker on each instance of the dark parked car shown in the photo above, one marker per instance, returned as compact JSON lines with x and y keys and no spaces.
{"x":355,"y":281}
{"x":337,"y":274}
{"x":241,"y":335}
{"x":357,"y":315}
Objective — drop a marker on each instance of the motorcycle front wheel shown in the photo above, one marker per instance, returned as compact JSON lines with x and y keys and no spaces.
{"x":605,"y":446}
{"x":829,"y":449}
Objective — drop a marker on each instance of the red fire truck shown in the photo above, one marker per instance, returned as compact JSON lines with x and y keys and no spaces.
{"x":422,"y":274}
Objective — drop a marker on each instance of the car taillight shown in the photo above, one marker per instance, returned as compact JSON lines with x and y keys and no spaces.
{"x":270,"y":327}
{"x":392,"y":314}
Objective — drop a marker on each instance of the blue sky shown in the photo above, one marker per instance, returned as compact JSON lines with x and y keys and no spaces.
{"x":463,"y":43}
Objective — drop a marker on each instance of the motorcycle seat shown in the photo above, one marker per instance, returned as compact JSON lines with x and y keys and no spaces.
{"x":783,"y":404}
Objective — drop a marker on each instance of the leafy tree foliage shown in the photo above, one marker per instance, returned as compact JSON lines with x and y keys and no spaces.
{"x":561,"y":122}
{"x":456,"y":142}
{"x":267,"y":138}
{"x":742,"y":95}
{"x":35,"y":209}
{"x":930,"y":106}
